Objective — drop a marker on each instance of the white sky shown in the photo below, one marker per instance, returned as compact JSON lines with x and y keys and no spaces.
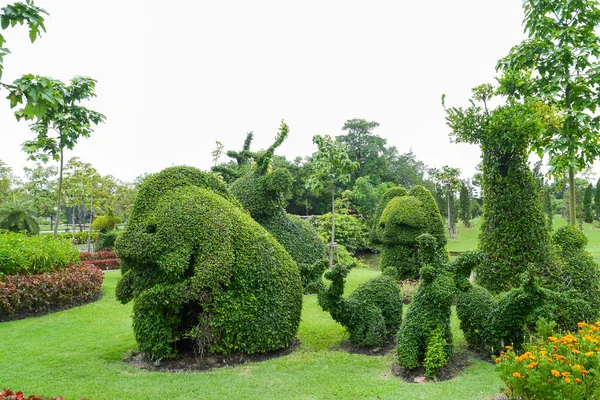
{"x":174,"y":76}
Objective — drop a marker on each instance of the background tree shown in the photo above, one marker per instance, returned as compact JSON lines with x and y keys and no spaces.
{"x":465,"y":204}
{"x":40,"y":187}
{"x":69,"y":120}
{"x":545,"y":193}
{"x":331,"y":164}
{"x":216,"y":153}
{"x":563,"y":49}
{"x":364,"y":148}
{"x":17,"y":215}
{"x":7,"y":181}
{"x":588,"y":212}
{"x":124,"y":198}
{"x":365,"y":196}
{"x":38,"y":92}
{"x":597,"y":200}
{"x":449,"y":180}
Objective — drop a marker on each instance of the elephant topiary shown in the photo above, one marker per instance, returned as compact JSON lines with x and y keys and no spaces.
{"x":200,"y":270}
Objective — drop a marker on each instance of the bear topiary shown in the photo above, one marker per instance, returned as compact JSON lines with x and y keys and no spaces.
{"x":263,"y":194}
{"x":424,"y":337}
{"x":372,"y":314}
{"x":404,"y":217}
{"x":200,"y":271}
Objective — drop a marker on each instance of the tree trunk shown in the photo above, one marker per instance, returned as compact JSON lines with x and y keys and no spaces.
{"x":73,"y":221}
{"x":52,"y":222}
{"x":573,"y":204}
{"x":332,"y":244}
{"x":572,"y":197}
{"x":89,"y":239}
{"x":449,"y":216}
{"x":60,"y":181}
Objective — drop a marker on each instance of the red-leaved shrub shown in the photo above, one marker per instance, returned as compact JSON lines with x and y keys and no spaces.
{"x":105,"y":265}
{"x":8,"y":394}
{"x":100,"y":255}
{"x":27,"y":295}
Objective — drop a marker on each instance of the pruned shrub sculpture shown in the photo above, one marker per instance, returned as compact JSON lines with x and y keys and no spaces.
{"x":424,"y":337}
{"x":263,"y":194}
{"x":402,"y":217}
{"x":372,"y":313}
{"x":199,"y":270}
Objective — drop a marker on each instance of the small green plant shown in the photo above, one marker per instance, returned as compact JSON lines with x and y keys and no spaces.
{"x":436,"y":355}
{"x":23,"y":254}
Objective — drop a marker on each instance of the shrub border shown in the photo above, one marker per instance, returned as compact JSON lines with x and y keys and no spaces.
{"x":45,"y":293}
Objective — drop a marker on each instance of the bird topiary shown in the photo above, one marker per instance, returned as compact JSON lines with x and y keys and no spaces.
{"x":200,"y":271}
{"x":372,"y":314}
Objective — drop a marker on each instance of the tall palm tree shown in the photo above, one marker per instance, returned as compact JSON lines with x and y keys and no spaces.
{"x":17,"y":215}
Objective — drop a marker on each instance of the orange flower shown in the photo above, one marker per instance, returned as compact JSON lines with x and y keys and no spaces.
{"x":565,"y":374}
{"x":581,"y":324}
{"x":498,"y":360}
{"x":555,"y":373}
{"x":508,"y":347}
{"x":589,"y":353}
{"x":577,"y":380}
{"x":575,"y":351}
{"x":532,"y":365}
{"x":516,"y":374}
{"x":568,"y":380}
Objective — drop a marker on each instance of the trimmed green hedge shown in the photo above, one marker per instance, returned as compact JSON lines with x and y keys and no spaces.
{"x":200,"y":269}
{"x":24,"y":254}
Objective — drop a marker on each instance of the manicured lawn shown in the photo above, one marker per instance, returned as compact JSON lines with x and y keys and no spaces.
{"x":78,"y":353}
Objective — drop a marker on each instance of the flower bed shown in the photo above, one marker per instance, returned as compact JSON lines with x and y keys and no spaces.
{"x":100,"y":255}
{"x":23,"y":296}
{"x":554,"y":366}
{"x":8,"y":394}
{"x":105,"y":265}
{"x":105,"y":260}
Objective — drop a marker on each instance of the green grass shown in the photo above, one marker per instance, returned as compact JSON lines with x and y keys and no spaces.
{"x":78,"y":353}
